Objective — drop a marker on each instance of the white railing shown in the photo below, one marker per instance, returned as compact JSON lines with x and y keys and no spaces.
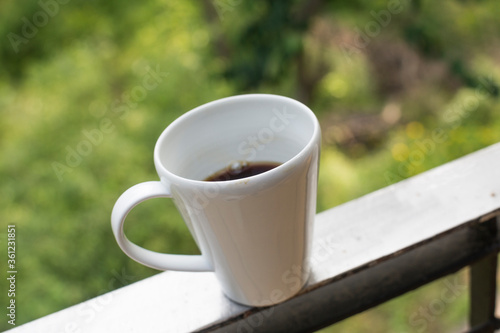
{"x":366,"y":251}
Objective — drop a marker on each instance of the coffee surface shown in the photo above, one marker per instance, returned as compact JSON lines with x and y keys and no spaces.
{"x":239,"y":170}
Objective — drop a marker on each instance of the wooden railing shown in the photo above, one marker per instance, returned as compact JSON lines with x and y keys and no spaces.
{"x":366,"y":252}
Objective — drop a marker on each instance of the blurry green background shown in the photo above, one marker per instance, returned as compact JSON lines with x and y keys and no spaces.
{"x":80,"y":116}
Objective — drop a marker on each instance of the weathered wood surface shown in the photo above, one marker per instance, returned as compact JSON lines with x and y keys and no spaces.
{"x":365,"y":251}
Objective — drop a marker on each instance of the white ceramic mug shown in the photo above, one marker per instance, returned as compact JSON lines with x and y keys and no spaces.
{"x":254,"y":233}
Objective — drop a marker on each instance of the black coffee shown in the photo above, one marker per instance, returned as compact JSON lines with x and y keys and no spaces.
{"x":240,"y":170}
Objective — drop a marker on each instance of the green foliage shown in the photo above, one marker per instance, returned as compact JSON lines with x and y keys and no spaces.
{"x":266,"y":47}
{"x":85,"y":95}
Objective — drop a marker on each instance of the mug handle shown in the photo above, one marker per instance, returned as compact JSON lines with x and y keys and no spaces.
{"x":162,"y":261}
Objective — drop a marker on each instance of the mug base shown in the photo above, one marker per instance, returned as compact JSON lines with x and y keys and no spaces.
{"x":275,"y":296}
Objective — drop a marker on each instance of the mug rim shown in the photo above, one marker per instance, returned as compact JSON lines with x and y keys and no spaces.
{"x":167,"y":175}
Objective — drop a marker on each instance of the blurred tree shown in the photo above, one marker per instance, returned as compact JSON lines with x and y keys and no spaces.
{"x":269,"y":45}
{"x":36,"y":30}
{"x":434,"y":38}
